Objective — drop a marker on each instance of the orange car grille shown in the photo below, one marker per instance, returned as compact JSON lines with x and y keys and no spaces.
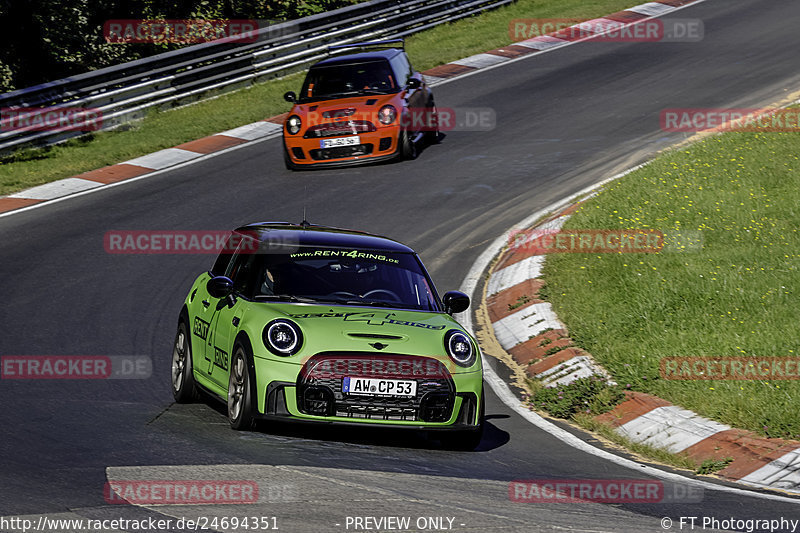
{"x":339,"y":152}
{"x":336,"y":129}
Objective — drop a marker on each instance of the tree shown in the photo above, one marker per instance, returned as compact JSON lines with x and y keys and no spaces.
{"x":45,"y":40}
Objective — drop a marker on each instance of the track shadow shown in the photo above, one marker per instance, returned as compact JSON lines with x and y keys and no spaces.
{"x":395,"y":437}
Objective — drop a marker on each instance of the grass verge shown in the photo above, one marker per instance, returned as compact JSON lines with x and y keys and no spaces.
{"x":165,"y":129}
{"x":725,"y":285}
{"x":659,"y":455}
{"x":583,"y":399}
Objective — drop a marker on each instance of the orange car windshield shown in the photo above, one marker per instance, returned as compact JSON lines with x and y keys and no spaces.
{"x":325,"y":82}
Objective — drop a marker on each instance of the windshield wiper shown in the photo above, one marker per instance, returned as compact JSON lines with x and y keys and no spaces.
{"x":341,"y":301}
{"x":376,"y":303}
{"x":286,"y":298}
{"x":356,"y":92}
{"x":336,"y":95}
{"x":308,"y":299}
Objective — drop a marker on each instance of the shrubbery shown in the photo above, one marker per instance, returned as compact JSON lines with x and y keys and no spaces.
{"x":45,"y":40}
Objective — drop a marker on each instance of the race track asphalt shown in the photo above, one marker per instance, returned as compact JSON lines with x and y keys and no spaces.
{"x":565,"y":119}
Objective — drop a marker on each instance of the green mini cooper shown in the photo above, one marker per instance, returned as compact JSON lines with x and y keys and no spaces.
{"x":305,"y":322}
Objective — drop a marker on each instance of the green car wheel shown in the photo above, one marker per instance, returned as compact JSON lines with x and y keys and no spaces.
{"x":183,"y":389}
{"x":240,"y":413}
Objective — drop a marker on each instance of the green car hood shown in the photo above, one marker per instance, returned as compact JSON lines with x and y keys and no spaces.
{"x":376,"y":330}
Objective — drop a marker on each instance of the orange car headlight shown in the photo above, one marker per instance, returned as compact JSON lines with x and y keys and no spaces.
{"x":293,"y":124}
{"x":387,"y":114}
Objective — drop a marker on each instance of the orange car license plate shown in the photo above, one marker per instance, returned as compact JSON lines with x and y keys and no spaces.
{"x":339,"y":141}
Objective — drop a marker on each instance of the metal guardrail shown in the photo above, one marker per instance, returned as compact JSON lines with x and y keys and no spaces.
{"x":125,"y":92}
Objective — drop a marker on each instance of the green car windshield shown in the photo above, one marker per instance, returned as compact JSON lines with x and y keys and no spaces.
{"x":338,"y":276}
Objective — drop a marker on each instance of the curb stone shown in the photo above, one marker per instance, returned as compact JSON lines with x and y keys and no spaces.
{"x":529,"y":331}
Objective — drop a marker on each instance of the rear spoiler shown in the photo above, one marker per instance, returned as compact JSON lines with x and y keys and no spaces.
{"x":389,"y":43}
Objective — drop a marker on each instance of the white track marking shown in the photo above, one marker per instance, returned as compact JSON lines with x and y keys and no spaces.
{"x":480,"y":60}
{"x":581,"y":366}
{"x":163,"y":158}
{"x":543,"y":42}
{"x":57,"y":189}
{"x":783,"y":473}
{"x":602,"y":23}
{"x":433,"y":80}
{"x":550,"y":49}
{"x":256,"y":130}
{"x":137,"y":178}
{"x":652,"y":9}
{"x":528,"y":322}
{"x":514,"y":274}
{"x":670,"y":427}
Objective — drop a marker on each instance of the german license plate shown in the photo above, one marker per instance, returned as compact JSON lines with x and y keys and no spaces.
{"x":379,"y":387}
{"x":340,"y":141}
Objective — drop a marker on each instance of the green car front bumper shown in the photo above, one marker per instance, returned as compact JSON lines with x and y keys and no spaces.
{"x":452,"y":401}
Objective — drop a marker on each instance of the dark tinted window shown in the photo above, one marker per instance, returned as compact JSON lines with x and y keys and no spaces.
{"x":242,"y":267}
{"x":224,"y":258}
{"x":324,"y":82}
{"x":402,"y":67}
{"x":353,"y":277}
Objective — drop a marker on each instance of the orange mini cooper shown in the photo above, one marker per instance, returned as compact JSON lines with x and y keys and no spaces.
{"x":358,"y":108}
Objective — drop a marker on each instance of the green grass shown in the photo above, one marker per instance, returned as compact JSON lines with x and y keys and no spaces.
{"x":521,"y":300}
{"x":709,"y":466}
{"x":590,"y":395}
{"x":157,"y":131}
{"x":165,"y":129}
{"x":488,"y":31}
{"x":734,"y":296}
{"x":582,"y":400}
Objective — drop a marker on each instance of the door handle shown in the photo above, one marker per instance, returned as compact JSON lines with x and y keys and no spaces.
{"x":206,"y":303}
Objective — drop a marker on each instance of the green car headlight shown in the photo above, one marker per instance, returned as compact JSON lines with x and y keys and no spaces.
{"x":459,"y":347}
{"x":282,"y":337}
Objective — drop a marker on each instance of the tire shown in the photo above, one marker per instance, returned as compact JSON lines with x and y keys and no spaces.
{"x":183,"y":386}
{"x":432,"y":136}
{"x":408,"y":149}
{"x":240,"y":390}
